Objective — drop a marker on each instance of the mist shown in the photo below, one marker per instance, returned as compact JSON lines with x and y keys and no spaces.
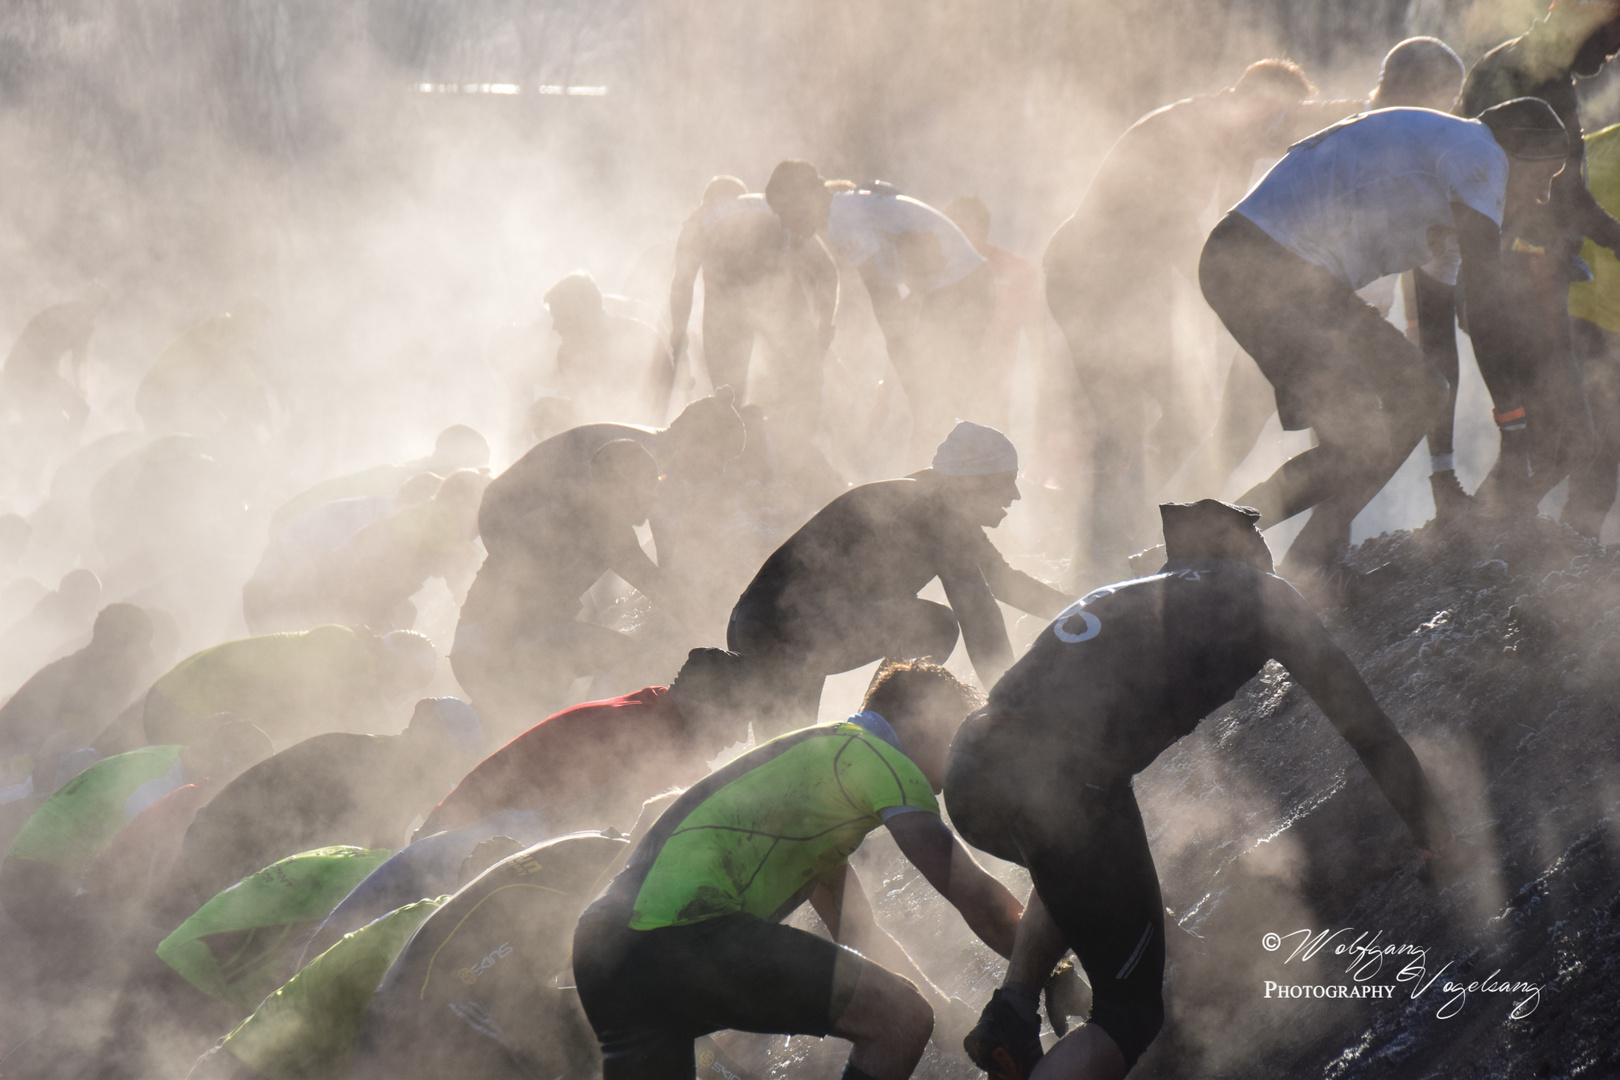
{"x":321,"y":387}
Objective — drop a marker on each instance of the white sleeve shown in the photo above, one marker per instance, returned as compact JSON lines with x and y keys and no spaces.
{"x":1475,"y":175}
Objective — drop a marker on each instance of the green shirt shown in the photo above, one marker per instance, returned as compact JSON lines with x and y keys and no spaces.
{"x":251,"y":923}
{"x":307,"y":1029}
{"x":73,"y":826}
{"x":1598,"y":300}
{"x":751,"y":836}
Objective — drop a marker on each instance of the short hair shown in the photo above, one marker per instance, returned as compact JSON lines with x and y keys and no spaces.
{"x":461,"y":447}
{"x":1277,"y":77}
{"x":1211,"y":529}
{"x":122,"y":624}
{"x":577,"y":290}
{"x":723,"y":188}
{"x":901,"y":687}
{"x":713,"y":423}
{"x":1418,"y":67}
{"x":792,"y":178}
{"x":464,"y":486}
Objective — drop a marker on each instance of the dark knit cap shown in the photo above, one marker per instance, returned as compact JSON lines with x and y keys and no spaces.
{"x":1211,"y":529}
{"x":1528,"y":129}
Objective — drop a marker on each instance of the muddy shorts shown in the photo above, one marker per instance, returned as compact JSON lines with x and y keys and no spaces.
{"x":650,"y":993}
{"x":1077,"y":830}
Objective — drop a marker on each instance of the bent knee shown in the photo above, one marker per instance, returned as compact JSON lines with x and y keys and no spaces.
{"x":1133,"y":1025}
{"x":885,"y":1008}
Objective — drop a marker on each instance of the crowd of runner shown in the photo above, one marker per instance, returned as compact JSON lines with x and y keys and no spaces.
{"x":318,"y":851}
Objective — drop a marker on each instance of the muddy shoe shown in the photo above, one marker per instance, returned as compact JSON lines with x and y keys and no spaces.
{"x":1451,"y":503}
{"x":1004,"y":1044}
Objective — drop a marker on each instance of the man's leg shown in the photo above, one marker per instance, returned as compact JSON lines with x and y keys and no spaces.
{"x":649,"y":993}
{"x":1113,"y":488}
{"x":728,"y":337}
{"x":1374,"y":446}
{"x":1592,"y":485}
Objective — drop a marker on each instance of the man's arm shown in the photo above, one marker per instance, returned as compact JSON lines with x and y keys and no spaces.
{"x":984,"y":631}
{"x":819,"y":277}
{"x":847,"y":913}
{"x":688,"y":261}
{"x":1302,"y":645}
{"x":990,"y":910}
{"x":640,"y":572}
{"x":1493,"y":322}
{"x":893,"y":314}
{"x":1435,"y":306}
{"x":1019,"y":589}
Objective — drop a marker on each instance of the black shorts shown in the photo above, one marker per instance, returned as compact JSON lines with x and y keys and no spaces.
{"x":649,"y":993}
{"x":1014,"y":792}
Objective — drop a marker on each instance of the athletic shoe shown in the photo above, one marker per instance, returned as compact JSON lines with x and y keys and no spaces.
{"x":1004,"y":1044}
{"x":1451,"y":503}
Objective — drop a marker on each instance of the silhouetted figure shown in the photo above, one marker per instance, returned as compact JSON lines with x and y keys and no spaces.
{"x":519,"y":643}
{"x":609,"y":366}
{"x":930,"y":290}
{"x":1017,"y":311}
{"x":553,"y":523}
{"x":1595,"y":310}
{"x":457,"y":447}
{"x":52,"y":623}
{"x":688,"y":939}
{"x":338,"y":788}
{"x":509,"y":1020}
{"x":1536,"y":389}
{"x":1110,"y":273}
{"x":368,"y":578}
{"x":291,"y":685}
{"x":1378,"y":194}
{"x":210,"y":381}
{"x":1418,"y":73}
{"x":81,"y":693}
{"x":43,"y":410}
{"x":756,"y":285}
{"x":594,"y":764}
{"x":842,"y":591}
{"x":1042,"y":775}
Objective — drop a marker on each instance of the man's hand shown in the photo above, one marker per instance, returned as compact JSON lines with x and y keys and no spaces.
{"x":989,"y":909}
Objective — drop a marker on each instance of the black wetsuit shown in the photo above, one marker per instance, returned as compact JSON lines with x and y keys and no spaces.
{"x":1540,"y":253}
{"x":1041,"y":776}
{"x":842,"y":591}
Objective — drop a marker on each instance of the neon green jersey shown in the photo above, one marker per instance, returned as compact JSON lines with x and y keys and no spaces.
{"x":307,"y":1029}
{"x":251,"y":923}
{"x":753,"y":835}
{"x":73,"y":826}
{"x":1598,"y":300}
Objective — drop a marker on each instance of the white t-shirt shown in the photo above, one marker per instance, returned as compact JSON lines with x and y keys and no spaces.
{"x":910,"y":242}
{"x":1372,"y":196}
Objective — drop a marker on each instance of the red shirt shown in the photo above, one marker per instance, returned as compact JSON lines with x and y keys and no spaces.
{"x":143,"y":854}
{"x":587,"y":767}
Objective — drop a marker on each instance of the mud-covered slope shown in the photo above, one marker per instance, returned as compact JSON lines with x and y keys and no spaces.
{"x":1497,"y":659}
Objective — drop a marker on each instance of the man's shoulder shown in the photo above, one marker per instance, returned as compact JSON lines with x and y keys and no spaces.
{"x":646,"y":708}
